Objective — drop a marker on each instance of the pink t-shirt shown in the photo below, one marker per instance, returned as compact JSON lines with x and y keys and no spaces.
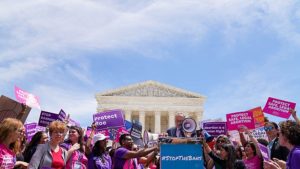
{"x":7,"y":158}
{"x":76,"y":157}
{"x":253,"y":163}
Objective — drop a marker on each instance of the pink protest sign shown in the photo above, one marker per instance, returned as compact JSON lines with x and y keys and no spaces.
{"x":236,"y":120}
{"x":278,"y":107}
{"x":27,"y":98}
{"x":258,"y":116}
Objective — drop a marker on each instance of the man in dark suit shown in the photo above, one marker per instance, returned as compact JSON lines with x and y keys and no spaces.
{"x":177,"y":130}
{"x":276,"y":150}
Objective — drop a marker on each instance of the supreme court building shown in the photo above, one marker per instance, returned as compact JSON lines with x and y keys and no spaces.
{"x":153,"y":104}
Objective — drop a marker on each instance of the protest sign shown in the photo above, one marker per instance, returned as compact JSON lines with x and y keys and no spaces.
{"x":46,"y":118}
{"x":128,"y":125}
{"x":215,"y":128}
{"x":236,"y":120}
{"x":258,"y":115}
{"x":109,"y":119}
{"x":278,"y":107}
{"x":73,"y":123}
{"x":27,"y":98}
{"x":13,"y":109}
{"x":30,"y":130}
{"x":189,"y":156}
{"x":62,"y":115}
{"x":264,"y":152}
{"x":260,"y":133}
{"x":136,"y":133}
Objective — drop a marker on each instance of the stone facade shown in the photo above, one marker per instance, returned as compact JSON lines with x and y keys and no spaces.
{"x":153,"y":104}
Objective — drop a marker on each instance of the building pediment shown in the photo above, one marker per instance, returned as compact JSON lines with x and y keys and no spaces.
{"x":150,"y":89}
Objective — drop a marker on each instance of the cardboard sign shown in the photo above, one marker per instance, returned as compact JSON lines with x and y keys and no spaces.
{"x":258,"y":116}
{"x":13,"y":109}
{"x":109,"y":119}
{"x":27,"y":98}
{"x":189,"y":156}
{"x":278,"y":107}
{"x":235,"y":120}
{"x":46,"y":118}
{"x":215,"y":128}
{"x":136,"y":133}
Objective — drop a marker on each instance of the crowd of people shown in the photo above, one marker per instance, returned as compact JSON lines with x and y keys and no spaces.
{"x":69,"y":147}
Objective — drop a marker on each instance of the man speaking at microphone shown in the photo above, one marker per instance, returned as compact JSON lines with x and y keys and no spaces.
{"x":177,"y":130}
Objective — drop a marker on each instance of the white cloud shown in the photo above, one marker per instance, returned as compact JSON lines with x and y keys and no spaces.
{"x":80,"y":104}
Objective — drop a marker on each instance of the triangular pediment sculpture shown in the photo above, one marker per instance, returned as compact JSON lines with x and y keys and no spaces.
{"x":151,"y":89}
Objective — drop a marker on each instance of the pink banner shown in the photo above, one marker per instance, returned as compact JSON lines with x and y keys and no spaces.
{"x":278,"y":107}
{"x":236,"y":120}
{"x":27,"y":98}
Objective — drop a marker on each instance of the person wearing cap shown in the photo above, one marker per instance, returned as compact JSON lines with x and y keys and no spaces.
{"x":125,"y":157}
{"x":99,"y":157}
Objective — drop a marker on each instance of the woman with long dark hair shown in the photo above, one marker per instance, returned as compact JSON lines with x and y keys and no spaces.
{"x":99,"y":158}
{"x":38,"y":138}
{"x":227,"y":157}
{"x":76,"y":149}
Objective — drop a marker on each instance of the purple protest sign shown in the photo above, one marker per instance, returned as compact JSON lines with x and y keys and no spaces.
{"x":27,"y":98}
{"x":46,"y":118}
{"x":30,"y":130}
{"x":73,"y":123}
{"x":109,"y":119}
{"x":236,"y":120}
{"x":61,"y":115}
{"x":278,"y":107}
{"x":215,"y":128}
{"x":40,"y":128}
{"x":264,"y":152}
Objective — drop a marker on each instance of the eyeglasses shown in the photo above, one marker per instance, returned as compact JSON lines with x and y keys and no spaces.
{"x":58,"y":132}
{"x":221,"y":141}
{"x":268,"y":128}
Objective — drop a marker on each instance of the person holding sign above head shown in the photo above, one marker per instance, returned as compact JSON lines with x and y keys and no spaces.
{"x":253,"y":158}
{"x":124,"y":157}
{"x":293,"y":112}
{"x":51,"y":155}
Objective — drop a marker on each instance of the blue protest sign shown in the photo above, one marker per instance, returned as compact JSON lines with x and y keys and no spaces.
{"x":178,"y":156}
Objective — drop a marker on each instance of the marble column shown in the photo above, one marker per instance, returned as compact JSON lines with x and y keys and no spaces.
{"x":142,"y":119}
{"x":157,"y":122}
{"x":128,"y":115}
{"x":171,"y":119}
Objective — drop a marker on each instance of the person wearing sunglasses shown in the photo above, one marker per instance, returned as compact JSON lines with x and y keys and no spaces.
{"x":275,"y":149}
{"x":289,"y":137}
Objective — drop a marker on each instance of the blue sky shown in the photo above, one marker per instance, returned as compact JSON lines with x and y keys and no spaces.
{"x":236,"y":53}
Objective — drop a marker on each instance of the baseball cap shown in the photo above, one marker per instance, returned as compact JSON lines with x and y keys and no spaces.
{"x":99,"y":137}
